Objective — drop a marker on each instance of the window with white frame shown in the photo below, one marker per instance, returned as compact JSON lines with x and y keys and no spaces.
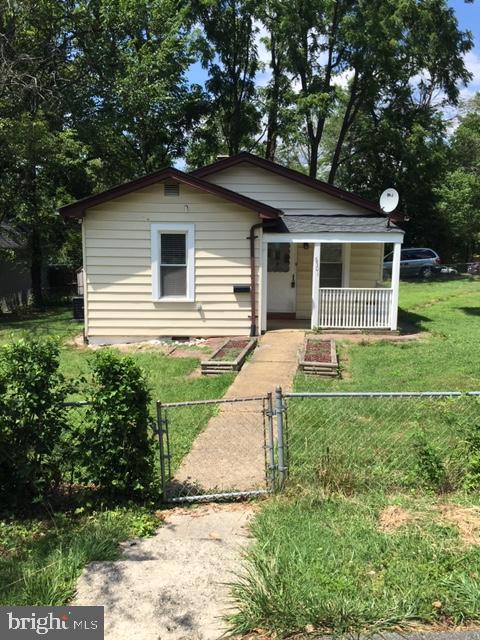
{"x":173,"y":259}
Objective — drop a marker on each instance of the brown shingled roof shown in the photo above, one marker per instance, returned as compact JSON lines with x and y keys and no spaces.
{"x":77,"y":209}
{"x":290,"y":174}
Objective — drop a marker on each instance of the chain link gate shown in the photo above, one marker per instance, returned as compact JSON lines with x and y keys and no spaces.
{"x":218,"y":449}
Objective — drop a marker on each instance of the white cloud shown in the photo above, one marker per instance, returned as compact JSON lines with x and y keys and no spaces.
{"x":472,"y":62}
{"x":342,"y":79}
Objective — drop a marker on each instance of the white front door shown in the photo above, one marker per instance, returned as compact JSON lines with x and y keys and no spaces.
{"x":281,"y":267}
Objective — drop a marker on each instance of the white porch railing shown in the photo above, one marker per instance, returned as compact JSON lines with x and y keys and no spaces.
{"x":348,"y":308}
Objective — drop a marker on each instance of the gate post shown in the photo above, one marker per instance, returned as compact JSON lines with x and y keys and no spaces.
{"x":161,"y":447}
{"x":279,"y":411}
{"x":271,"y":467}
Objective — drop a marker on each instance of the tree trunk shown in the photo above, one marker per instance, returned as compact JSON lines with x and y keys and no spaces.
{"x":313,"y":161}
{"x":272,"y":124}
{"x":36,"y":267}
{"x":348,"y":118}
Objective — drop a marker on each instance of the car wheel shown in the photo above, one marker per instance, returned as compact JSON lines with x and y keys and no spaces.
{"x":426,"y":273}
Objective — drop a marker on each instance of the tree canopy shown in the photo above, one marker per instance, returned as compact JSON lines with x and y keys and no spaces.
{"x":95,"y":92}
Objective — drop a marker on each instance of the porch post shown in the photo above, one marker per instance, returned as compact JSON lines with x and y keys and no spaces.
{"x":395,"y":285}
{"x":264,"y":287}
{"x":315,"y":285}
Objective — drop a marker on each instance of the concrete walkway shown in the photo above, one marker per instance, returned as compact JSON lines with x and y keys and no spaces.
{"x":173,"y":586}
{"x":229,"y":454}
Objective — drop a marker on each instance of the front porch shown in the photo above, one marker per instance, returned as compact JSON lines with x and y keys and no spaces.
{"x":332,"y":284}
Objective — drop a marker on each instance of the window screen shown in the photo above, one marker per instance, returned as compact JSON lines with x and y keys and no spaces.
{"x":173,"y":264}
{"x":331,"y":268}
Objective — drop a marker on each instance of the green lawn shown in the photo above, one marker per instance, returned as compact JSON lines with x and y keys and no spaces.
{"x":327,"y":564}
{"x":321,"y":559}
{"x":446,"y":360}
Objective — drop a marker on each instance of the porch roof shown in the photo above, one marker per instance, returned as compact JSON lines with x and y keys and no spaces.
{"x":333,"y":224}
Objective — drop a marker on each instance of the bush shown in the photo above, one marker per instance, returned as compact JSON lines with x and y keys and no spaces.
{"x":32,"y":416}
{"x":472,"y":476}
{"x":116,"y":443}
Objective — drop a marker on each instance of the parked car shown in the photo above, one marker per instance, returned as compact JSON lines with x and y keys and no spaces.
{"x":414,"y":263}
{"x":474,"y":268}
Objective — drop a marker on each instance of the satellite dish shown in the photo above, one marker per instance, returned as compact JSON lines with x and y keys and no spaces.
{"x":389,"y":200}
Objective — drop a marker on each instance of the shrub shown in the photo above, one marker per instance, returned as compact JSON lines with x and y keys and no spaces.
{"x":32,"y":416}
{"x":432,"y":470}
{"x":117,"y":446}
{"x":472,"y":476}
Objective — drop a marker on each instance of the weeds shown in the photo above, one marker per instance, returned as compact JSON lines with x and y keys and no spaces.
{"x":40,"y":561}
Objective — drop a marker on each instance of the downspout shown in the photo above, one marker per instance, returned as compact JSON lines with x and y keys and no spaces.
{"x":253,"y":281}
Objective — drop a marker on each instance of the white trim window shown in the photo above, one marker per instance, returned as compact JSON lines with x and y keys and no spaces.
{"x":173,"y":262}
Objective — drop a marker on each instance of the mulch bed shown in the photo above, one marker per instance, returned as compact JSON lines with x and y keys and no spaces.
{"x":230,"y":356}
{"x":318,"y":351}
{"x":319,"y":357}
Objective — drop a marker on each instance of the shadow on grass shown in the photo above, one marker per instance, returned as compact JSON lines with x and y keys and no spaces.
{"x":471,"y":311}
{"x":411,"y":322}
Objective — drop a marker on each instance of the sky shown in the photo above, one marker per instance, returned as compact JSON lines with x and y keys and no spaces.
{"x":468,"y":15}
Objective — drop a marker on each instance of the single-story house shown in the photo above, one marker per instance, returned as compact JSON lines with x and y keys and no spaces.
{"x":229,"y":249}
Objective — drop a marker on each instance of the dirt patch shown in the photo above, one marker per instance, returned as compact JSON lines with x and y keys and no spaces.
{"x":393,"y":518}
{"x":196,"y":373}
{"x":466,"y":519}
{"x":367,"y":338}
{"x":193,"y":352}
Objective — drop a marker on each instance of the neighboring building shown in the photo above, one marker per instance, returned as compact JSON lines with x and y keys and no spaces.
{"x":15,"y":280}
{"x":191,"y":254}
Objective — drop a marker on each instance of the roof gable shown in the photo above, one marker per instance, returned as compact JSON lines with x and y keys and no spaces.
{"x":77,"y":209}
{"x":290,"y":174}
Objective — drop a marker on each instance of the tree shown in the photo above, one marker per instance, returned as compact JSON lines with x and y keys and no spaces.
{"x":459,"y":191}
{"x":229,"y":52}
{"x":373,"y":49}
{"x":134,"y":106}
{"x":39,"y":156}
{"x":92,"y":92}
{"x":278,"y":95}
{"x":404,"y":147}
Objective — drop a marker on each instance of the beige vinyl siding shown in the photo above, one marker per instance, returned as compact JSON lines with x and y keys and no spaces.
{"x":117,"y":245}
{"x":366,"y":264}
{"x":365,"y":271}
{"x":287,"y":195}
{"x":304,"y":281}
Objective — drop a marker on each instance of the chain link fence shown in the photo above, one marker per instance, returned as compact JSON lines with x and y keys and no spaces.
{"x":328,"y":442}
{"x":354,"y":442}
{"x":213,"y":449}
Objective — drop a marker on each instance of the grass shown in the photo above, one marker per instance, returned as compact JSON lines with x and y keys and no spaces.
{"x":41,"y":560}
{"x":327,"y":564}
{"x":445,"y":360}
{"x":320,"y":560}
